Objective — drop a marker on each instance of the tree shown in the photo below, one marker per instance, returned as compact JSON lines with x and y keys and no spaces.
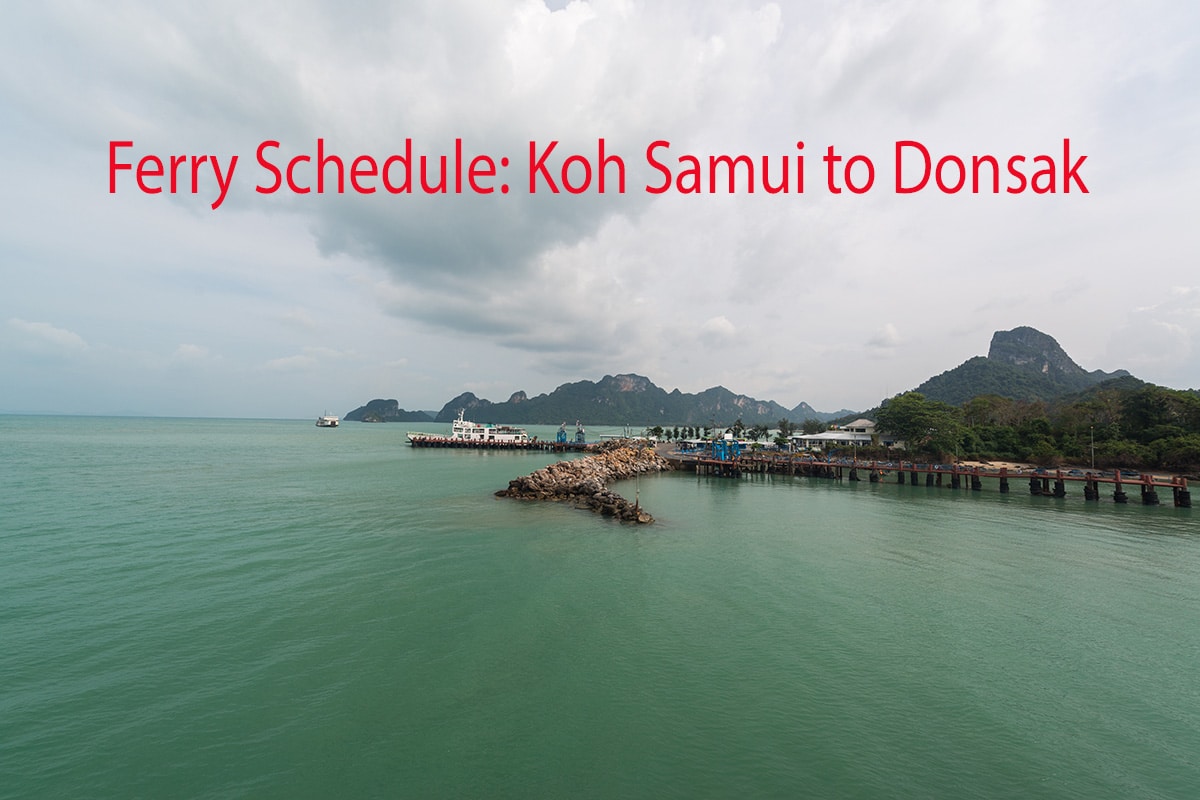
{"x":923,"y":425}
{"x":1151,"y":409}
{"x":1181,"y":452}
{"x":812,"y":426}
{"x":1045,"y":454}
{"x":785,"y":427}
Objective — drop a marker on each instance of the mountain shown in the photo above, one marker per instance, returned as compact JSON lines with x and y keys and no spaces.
{"x":626,"y":400}
{"x":804,"y":412}
{"x":1022,"y":364}
{"x":385,"y":411}
{"x":476,"y":409}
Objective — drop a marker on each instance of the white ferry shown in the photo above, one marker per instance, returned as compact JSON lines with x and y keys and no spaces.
{"x":464,"y":433}
{"x":327,"y":421}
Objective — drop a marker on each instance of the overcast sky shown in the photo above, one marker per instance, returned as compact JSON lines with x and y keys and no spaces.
{"x":288,"y":305}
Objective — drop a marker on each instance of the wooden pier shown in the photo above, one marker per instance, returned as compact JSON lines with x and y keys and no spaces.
{"x":1042,"y":483}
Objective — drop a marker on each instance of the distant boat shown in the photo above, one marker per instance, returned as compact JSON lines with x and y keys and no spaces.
{"x":327,"y":421}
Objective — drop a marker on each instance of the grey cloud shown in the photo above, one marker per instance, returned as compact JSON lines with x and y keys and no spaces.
{"x":552,"y":285}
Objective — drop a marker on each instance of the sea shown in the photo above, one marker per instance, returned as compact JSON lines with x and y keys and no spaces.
{"x":210,"y":608}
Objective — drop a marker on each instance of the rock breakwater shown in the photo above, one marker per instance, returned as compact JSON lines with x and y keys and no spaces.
{"x":584,"y":481}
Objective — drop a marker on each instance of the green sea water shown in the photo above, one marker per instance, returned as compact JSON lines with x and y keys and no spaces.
{"x":241,"y":608}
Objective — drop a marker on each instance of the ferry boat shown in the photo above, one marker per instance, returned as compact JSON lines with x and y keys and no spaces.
{"x":327,"y":421}
{"x":465,"y":433}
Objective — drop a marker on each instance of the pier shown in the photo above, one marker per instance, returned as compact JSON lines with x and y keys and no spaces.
{"x":1040,"y":482}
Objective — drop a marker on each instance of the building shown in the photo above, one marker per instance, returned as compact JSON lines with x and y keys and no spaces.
{"x":859,"y":433}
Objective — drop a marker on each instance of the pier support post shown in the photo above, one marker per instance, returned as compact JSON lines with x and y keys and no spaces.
{"x":900,"y":476}
{"x":1149,"y":496}
{"x":1119,"y":495}
{"x":1091,"y":490}
{"x":939,"y":479}
{"x":929,"y":479}
{"x":1003,"y":485}
{"x":853,"y":474}
{"x":1183,"y":498}
{"x":955,"y":480}
{"x":1060,"y":488}
{"x":912,"y":478}
{"x":874,"y":476}
{"x":976,"y":484}
{"x":1035,"y":486}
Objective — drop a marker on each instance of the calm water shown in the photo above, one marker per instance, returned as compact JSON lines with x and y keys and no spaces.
{"x":231,"y":608}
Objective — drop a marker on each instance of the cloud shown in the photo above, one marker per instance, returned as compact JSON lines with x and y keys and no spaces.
{"x":300,"y":319}
{"x":884,"y":338}
{"x":1161,"y":341}
{"x":311,"y":357}
{"x":517,"y":73}
{"x":717,"y":331}
{"x":294,"y":363}
{"x":43,"y":333}
{"x":190,"y":354}
{"x":535,"y":289}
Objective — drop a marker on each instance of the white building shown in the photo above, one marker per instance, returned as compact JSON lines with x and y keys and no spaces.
{"x":831,"y":438}
{"x":858,"y":433}
{"x":864,"y":425}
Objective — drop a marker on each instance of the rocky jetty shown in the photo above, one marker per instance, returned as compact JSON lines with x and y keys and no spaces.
{"x":584,"y":481}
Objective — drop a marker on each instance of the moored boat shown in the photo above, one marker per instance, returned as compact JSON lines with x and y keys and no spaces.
{"x":465,"y":433}
{"x":327,"y":421}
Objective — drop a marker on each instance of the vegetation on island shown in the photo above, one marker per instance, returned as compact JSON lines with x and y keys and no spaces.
{"x":1027,"y":400}
{"x":1022,"y":364}
{"x":622,"y":400}
{"x":385,"y":411}
{"x":1120,"y":423}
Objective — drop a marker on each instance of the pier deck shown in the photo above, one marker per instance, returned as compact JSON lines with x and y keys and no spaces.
{"x":1041,"y":482}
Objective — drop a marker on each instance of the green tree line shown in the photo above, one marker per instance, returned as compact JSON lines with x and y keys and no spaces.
{"x":1115,"y":425}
